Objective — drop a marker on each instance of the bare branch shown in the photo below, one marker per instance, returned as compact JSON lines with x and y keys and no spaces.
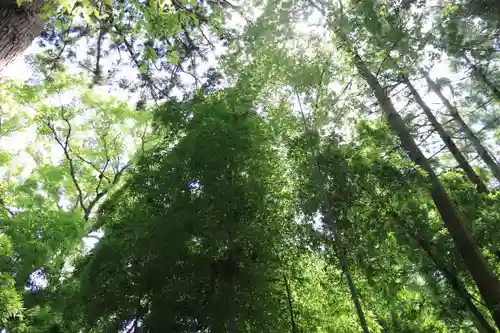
{"x":103,"y":192}
{"x":7,"y":209}
{"x":93,"y":166}
{"x":65,"y":147}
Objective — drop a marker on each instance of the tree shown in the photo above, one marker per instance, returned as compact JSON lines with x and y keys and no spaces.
{"x":481,"y":150}
{"x":19,"y":26}
{"x":448,"y":141}
{"x":486,"y":281}
{"x":270,"y":194}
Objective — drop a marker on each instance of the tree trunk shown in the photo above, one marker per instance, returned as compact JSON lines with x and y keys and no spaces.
{"x":352,"y":286}
{"x":479,"y":320}
{"x":19,"y":26}
{"x":486,"y":281}
{"x":290,"y":306}
{"x":329,"y":220}
{"x":465,"y":129}
{"x":232,"y":307}
{"x":448,"y":141}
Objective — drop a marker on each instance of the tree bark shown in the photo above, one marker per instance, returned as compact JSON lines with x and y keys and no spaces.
{"x":290,"y":306}
{"x":448,"y":141}
{"x":479,"y":320}
{"x":486,"y":281}
{"x":352,"y":286}
{"x":19,"y":26}
{"x":330,"y":221}
{"x":482,"y":325}
{"x":465,"y":129}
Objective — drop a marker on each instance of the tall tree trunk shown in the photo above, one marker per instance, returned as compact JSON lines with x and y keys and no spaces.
{"x":460,"y":290}
{"x":232,"y":307}
{"x":352,"y":286}
{"x":330,"y":221}
{"x":486,"y":281}
{"x":232,"y":220}
{"x":290,"y":305}
{"x":19,"y":26}
{"x":479,"y":320}
{"x":465,"y":129}
{"x":448,"y":141}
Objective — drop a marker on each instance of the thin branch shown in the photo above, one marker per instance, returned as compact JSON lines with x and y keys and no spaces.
{"x":102,"y":193}
{"x":387,"y":55}
{"x":436,"y":153}
{"x":432,"y":131}
{"x":65,"y":147}
{"x":2,"y":203}
{"x":148,"y":79}
{"x":93,"y":166}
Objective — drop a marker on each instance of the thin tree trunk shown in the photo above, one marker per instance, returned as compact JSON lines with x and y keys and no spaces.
{"x":448,"y":141}
{"x":290,"y":306}
{"x":19,"y":26}
{"x":478,"y":318}
{"x":232,"y":307}
{"x":231,"y":229}
{"x":465,"y":129}
{"x":352,"y":286}
{"x":329,"y":220}
{"x":486,"y":281}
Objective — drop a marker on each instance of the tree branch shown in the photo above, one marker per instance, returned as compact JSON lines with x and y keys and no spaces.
{"x":65,"y":147}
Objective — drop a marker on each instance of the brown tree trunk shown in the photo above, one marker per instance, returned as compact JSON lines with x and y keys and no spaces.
{"x":352,"y":286}
{"x":19,"y":26}
{"x":290,"y":305}
{"x":465,"y":129}
{"x":478,"y":318}
{"x":330,"y":221}
{"x":486,"y":281}
{"x":448,"y":141}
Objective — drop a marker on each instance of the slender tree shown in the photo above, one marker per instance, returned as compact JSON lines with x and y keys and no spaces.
{"x":478,"y":318}
{"x":453,"y":280}
{"x":487,"y":282}
{"x":448,"y":141}
{"x":290,"y":305}
{"x":331,"y":222}
{"x":466,"y":130}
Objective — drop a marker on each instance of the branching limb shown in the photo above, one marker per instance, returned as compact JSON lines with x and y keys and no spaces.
{"x":64,"y":144}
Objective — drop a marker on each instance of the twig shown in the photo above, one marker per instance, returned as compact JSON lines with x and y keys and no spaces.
{"x":65,"y":147}
{"x":2,"y":203}
{"x":387,"y":55}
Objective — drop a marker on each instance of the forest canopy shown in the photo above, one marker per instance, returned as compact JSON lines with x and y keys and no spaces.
{"x":277,"y":166}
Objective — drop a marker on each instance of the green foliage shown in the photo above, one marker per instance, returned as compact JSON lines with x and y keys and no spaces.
{"x":126,"y":209}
